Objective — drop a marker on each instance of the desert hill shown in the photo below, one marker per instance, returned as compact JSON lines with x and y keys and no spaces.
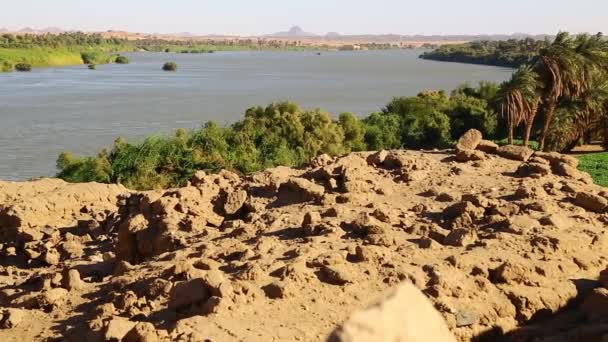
{"x":504,"y":242}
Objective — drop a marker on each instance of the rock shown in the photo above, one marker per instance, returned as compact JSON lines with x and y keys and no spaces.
{"x":117,"y":328}
{"x":51,"y":257}
{"x":428,"y":243}
{"x":513,"y":152}
{"x":141,"y":332}
{"x":299,"y":190}
{"x":402,"y":314}
{"x":366,"y":224}
{"x":337,"y":274}
{"x":321,"y":160}
{"x":71,"y":280}
{"x":596,"y":303}
{"x":278,"y":290}
{"x":469,"y":140}
{"x":189,"y":292}
{"x":447,"y":197}
{"x":487,"y":146}
{"x":461,"y":208}
{"x":604,"y":278}
{"x":555,"y":158}
{"x":591,"y":202}
{"x":51,"y":298}
{"x":532,"y":169}
{"x":311,"y":220}
{"x":521,"y":224}
{"x":566,"y":170}
{"x":559,"y":221}
{"x":377,"y":158}
{"x":510,"y":273}
{"x":464,"y":156}
{"x":235,"y":201}
{"x":11,"y":318}
{"x":461,"y":237}
{"x":466,"y":318}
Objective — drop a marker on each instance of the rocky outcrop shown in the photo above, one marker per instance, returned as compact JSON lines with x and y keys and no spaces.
{"x":493,"y":243}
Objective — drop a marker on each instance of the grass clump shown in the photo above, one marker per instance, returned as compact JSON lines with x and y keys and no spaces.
{"x":170,"y":66}
{"x":596,"y":164}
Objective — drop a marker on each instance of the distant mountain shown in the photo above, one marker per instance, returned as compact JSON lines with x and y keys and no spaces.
{"x":333,"y":35}
{"x":293,"y":32}
{"x":53,"y":30}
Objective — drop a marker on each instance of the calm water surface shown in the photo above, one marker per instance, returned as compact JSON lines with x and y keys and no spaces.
{"x":51,"y":110}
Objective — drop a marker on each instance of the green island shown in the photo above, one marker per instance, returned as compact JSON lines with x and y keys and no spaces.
{"x":59,"y":50}
{"x":45,"y":50}
{"x":511,"y":53}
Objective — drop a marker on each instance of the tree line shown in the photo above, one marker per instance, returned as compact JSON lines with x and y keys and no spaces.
{"x":510,"y":53}
{"x":285,"y":134}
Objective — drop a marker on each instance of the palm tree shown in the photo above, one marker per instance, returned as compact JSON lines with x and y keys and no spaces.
{"x":581,"y":117}
{"x":567,"y":67}
{"x":519,"y":101}
{"x":557,"y":67}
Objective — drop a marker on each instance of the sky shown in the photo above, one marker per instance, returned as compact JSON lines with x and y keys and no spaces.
{"x":256,"y":17}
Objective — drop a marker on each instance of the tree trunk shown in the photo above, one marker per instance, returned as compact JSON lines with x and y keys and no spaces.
{"x":528,"y":131}
{"x":549,"y":111}
{"x":605,"y":133}
{"x":510,"y":138}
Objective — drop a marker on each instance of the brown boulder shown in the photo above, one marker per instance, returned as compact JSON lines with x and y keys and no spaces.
{"x":487,"y":146}
{"x":591,"y":202}
{"x":464,"y":156}
{"x":469,"y":140}
{"x":189,"y":292}
{"x":234,"y":201}
{"x":402,"y":314}
{"x":513,"y":152}
{"x":300,"y":190}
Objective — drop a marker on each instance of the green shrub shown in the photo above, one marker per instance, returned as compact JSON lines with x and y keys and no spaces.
{"x":382,"y":131}
{"x":170,"y":66}
{"x":5,"y":66}
{"x":88,"y":57}
{"x":121,"y":60}
{"x":23,"y":67}
{"x":354,"y":132}
{"x":469,"y":112}
{"x":422,"y":120}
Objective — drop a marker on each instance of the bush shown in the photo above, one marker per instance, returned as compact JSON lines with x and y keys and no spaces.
{"x":382,"y":131}
{"x":422,"y":120}
{"x":5,"y":66}
{"x":354,"y":132}
{"x":88,"y":57}
{"x":170,"y":66}
{"x":469,"y":112}
{"x":96,"y":57}
{"x":121,"y":60}
{"x":23,"y":67}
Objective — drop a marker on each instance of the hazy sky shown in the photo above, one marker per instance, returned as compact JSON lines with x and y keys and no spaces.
{"x":250,"y":17}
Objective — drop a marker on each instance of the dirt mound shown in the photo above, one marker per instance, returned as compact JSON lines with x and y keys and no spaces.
{"x":502,"y":243}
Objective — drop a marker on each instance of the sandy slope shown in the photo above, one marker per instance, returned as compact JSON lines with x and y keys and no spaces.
{"x":496,"y":244}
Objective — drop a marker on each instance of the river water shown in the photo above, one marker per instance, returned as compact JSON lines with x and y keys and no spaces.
{"x":51,"y":110}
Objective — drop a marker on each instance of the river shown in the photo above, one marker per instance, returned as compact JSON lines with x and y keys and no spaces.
{"x":51,"y":110}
